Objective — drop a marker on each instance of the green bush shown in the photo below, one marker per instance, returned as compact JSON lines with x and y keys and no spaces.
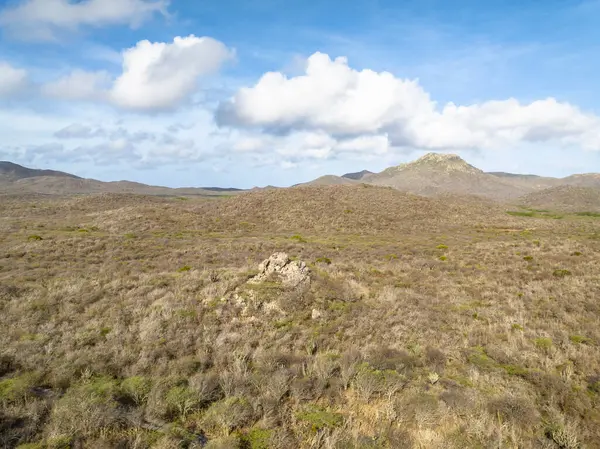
{"x":182,"y":400}
{"x":543,"y":342}
{"x":229,"y":414}
{"x":34,"y":238}
{"x":16,"y":389}
{"x":320,"y":418}
{"x":579,"y":339}
{"x":31,"y":446}
{"x":184,"y":269}
{"x":561,"y":273}
{"x":325,"y":260}
{"x":136,"y":388}
{"x":442,"y":247}
{"x":256,"y":438}
{"x":298,"y":238}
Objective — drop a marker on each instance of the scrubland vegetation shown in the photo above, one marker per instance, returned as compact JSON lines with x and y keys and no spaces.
{"x":428,"y":323}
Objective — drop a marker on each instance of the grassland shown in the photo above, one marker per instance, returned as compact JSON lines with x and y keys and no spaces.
{"x":441,"y":323}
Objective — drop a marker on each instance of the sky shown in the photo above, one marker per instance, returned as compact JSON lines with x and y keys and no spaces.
{"x":276,"y":92}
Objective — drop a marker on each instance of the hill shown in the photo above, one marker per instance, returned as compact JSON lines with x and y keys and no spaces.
{"x":328,"y":180}
{"x":15,"y":178}
{"x":435,"y":173}
{"x":583,"y":180}
{"x":12,"y":172}
{"x":439,"y":173}
{"x":358,"y":175}
{"x":566,"y":198}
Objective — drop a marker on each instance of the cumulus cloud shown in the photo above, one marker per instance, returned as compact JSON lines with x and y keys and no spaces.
{"x":12,"y":80}
{"x":155,"y":76}
{"x":336,"y":100}
{"x":43,"y":19}
{"x":79,"y":85}
{"x":160,"y":75}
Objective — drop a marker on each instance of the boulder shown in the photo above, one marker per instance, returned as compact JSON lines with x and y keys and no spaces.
{"x":291,"y":273}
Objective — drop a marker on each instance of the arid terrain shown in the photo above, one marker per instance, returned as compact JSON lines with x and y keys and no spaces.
{"x":398,"y":321}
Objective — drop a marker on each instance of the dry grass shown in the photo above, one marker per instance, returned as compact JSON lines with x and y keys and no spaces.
{"x":442,"y":323}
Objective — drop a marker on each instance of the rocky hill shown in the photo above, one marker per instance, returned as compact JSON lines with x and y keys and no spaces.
{"x":435,"y":174}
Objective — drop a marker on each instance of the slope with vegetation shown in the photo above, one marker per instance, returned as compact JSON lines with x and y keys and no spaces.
{"x":565,"y":198}
{"x":129,"y":322}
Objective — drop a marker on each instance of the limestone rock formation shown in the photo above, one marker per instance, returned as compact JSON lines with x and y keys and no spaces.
{"x":292,"y":273}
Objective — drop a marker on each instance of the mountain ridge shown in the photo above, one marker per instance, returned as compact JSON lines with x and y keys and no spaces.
{"x":433,"y":174}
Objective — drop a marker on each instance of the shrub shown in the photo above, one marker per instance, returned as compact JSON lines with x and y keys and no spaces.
{"x":136,"y":388}
{"x":320,"y":418}
{"x":443,"y":258}
{"x":528,"y":258}
{"x":184,"y":269}
{"x":181,"y":400}
{"x":34,"y":238}
{"x":435,"y":358}
{"x":564,"y":437}
{"x":229,"y":414}
{"x":325,"y":260}
{"x":517,"y":410}
{"x":369,"y":382}
{"x":594,"y":384}
{"x":85,"y":409}
{"x":442,"y":247}
{"x":298,"y":238}
{"x":516,"y":327}
{"x":561,"y":273}
{"x":543,"y":342}
{"x":17,"y":389}
{"x":31,"y":446}
{"x":578,"y":339}
{"x":256,"y":439}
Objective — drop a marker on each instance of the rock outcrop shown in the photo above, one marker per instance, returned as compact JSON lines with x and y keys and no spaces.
{"x":279,"y":266}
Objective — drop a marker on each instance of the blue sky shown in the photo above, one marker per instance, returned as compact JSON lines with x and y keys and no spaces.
{"x":175,"y":92}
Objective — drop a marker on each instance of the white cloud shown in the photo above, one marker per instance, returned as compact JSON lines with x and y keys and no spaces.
{"x":12,"y":80}
{"x":79,"y":85}
{"x":155,"y":76}
{"x":309,"y":145}
{"x":161,"y":75}
{"x":42,"y":19}
{"x":334,"y":99}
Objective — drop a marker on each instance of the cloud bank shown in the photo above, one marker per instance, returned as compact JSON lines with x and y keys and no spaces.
{"x":333,"y":98}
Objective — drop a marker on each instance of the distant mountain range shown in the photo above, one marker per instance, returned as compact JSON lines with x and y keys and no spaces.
{"x":15,"y":178}
{"x":431,"y":175}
